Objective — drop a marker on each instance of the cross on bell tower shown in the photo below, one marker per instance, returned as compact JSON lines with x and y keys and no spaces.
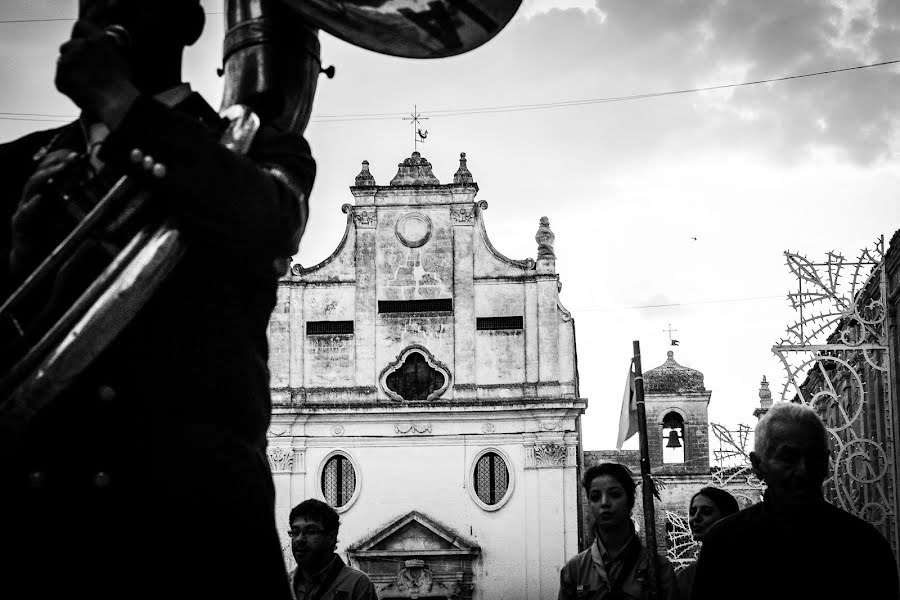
{"x":672,"y":341}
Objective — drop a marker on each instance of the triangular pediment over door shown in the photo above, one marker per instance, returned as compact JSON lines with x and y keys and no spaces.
{"x":414,"y":556}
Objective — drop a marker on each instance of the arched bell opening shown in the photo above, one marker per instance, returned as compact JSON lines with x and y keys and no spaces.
{"x":673,"y":438}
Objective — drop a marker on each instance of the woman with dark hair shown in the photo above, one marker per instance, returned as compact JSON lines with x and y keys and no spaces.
{"x":616,"y":564}
{"x":707,"y":507}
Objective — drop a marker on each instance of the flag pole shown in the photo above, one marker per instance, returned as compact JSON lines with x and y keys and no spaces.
{"x":646,"y":482}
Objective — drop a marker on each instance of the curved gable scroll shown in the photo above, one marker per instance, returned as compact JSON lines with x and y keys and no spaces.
{"x":297,"y":269}
{"x":414,"y":375}
{"x":526,"y":264}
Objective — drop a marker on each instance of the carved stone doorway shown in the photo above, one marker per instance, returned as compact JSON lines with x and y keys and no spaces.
{"x":414,"y":557}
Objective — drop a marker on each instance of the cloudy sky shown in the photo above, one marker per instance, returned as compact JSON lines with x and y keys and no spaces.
{"x":673,"y":209}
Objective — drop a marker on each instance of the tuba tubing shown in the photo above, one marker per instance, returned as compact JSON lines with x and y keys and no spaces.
{"x":106,"y":307}
{"x":124,"y":188}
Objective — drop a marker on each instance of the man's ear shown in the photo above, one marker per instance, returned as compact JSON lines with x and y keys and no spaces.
{"x":757,"y":465}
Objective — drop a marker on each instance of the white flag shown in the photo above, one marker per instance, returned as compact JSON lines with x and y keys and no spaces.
{"x":628,"y":421}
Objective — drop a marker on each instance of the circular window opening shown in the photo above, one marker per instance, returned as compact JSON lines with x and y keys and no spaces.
{"x":491,"y":478}
{"x":338,"y":480}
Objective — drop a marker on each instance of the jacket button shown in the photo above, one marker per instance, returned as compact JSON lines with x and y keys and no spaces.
{"x":106,"y":394}
{"x":102,"y":480}
{"x":136,"y":156}
{"x":36,"y":479}
{"x":159,"y":170}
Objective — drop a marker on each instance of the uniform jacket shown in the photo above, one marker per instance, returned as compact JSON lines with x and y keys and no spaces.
{"x":584,"y":577}
{"x":813,"y":551}
{"x":166,"y":431}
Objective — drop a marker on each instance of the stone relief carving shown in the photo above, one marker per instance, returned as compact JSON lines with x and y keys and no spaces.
{"x":488,"y":428}
{"x":415,"y":577}
{"x":413,"y":230}
{"x":365,"y":218}
{"x":550,"y":424}
{"x":548,"y":455}
{"x":416,"y":580}
{"x":412,"y":428}
{"x":337,"y":430}
{"x":281,"y":460}
{"x":278,"y":431}
{"x":464,"y":216}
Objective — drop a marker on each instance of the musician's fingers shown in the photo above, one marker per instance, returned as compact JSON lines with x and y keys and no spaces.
{"x":28,"y":216}
{"x":60,"y":156}
{"x":50,"y":167}
{"x":53,"y":163}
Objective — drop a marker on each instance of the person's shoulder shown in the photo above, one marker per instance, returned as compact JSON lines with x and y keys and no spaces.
{"x":580,"y":557}
{"x":687,"y":573}
{"x":742,"y":518}
{"x":844,"y":523}
{"x":736,"y":524}
{"x":354,"y":575}
{"x":356,"y":583}
{"x":30,"y":143}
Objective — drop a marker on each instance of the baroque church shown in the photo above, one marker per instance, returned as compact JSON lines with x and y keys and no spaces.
{"x":426,"y":386}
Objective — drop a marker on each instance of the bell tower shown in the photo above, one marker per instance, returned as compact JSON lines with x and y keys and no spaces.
{"x":676,"y":403}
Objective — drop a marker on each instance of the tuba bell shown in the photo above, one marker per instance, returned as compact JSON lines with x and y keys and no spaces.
{"x":271,"y":66}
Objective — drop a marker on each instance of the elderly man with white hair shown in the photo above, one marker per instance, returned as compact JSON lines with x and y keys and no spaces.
{"x":794,"y":544}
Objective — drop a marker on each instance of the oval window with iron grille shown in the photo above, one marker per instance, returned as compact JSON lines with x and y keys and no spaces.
{"x":491,"y":478}
{"x":338,"y":480}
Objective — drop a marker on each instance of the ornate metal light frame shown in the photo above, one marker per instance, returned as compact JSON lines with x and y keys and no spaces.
{"x":836,"y":357}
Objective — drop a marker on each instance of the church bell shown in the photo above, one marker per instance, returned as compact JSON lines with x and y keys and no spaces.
{"x":673,"y":440}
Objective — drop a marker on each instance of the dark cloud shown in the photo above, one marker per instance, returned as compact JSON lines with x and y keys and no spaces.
{"x":657,"y":45}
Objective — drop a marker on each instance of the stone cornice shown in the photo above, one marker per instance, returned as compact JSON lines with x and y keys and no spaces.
{"x":390,"y":406}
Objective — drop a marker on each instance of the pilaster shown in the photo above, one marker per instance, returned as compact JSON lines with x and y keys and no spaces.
{"x":548,"y":329}
{"x":462,"y":221}
{"x":297,"y":343}
{"x":366,"y":304}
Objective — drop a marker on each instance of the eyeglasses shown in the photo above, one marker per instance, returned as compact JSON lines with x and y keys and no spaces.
{"x":306,"y":532}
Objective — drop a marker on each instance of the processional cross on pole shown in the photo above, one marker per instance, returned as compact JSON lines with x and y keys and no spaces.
{"x":419,"y":134}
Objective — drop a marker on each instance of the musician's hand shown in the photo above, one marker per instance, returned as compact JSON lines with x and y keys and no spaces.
{"x":39,"y":224}
{"x":94,"y":73}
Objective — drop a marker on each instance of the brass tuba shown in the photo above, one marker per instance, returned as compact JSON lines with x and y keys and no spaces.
{"x":271,"y":67}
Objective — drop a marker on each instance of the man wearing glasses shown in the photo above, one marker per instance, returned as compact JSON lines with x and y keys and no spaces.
{"x":320,"y":573}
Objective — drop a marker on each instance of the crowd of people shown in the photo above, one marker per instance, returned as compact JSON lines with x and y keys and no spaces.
{"x":793,"y":544}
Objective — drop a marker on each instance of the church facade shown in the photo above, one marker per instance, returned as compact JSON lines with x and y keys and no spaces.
{"x":426,"y":386}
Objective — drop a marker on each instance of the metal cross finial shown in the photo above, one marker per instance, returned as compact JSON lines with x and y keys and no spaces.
{"x":419,"y":134}
{"x":672,"y":342}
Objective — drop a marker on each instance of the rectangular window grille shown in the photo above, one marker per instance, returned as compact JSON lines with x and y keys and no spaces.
{"x":493,"y":323}
{"x":329,"y":327}
{"x":404,"y":306}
